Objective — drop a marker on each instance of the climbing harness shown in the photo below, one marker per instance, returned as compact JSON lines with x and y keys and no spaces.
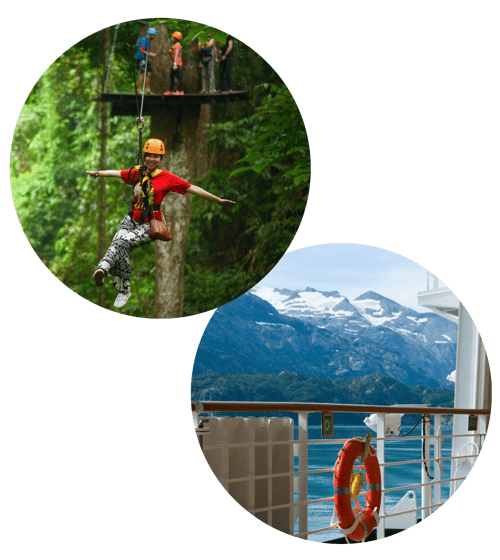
{"x":347,"y":485}
{"x":146,"y":205}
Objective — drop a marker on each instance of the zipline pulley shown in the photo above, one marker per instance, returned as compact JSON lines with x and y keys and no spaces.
{"x":140,"y":123}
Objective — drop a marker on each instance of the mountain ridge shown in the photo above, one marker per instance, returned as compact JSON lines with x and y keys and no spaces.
{"x":306,"y":331}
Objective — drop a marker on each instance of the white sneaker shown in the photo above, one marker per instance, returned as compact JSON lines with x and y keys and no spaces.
{"x":121,"y":300}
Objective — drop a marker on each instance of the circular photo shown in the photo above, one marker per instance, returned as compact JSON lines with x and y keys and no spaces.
{"x":343,"y":399}
{"x":160,"y":168}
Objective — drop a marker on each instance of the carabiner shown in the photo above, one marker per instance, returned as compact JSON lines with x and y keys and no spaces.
{"x":140,"y":122}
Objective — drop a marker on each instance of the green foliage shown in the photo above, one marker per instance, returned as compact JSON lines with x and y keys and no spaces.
{"x":279,"y":137}
{"x":234,"y":248}
{"x":56,"y":140}
{"x":258,"y":156}
{"x":374,"y":389}
{"x":191,"y":31}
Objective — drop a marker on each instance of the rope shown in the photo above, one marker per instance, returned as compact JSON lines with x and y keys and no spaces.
{"x":426,"y":466}
{"x":144,"y":85}
{"x":471,"y":443}
{"x":134,"y":85}
{"x":111,"y":57}
{"x":366,"y":447}
{"x":140,"y":120}
{"x":409,"y":432}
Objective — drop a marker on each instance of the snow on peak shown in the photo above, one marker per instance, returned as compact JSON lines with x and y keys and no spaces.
{"x":302,"y":300}
{"x":418,"y":321}
{"x":375,"y":318}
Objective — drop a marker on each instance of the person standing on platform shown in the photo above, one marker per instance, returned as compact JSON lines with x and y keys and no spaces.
{"x":208,"y":58}
{"x":176,"y":68}
{"x":141,"y":59}
{"x":226,"y":66}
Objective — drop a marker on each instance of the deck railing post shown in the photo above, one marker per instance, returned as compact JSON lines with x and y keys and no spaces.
{"x":303,"y":450}
{"x":438,"y":465}
{"x":381,"y":460}
{"x":219,"y":447}
{"x":269,"y":451}
{"x":426,"y":490}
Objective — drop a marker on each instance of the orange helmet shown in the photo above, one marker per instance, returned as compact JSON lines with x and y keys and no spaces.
{"x":154,"y":146}
{"x":177,"y":35}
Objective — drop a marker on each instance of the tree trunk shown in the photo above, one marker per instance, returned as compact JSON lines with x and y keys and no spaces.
{"x":180,"y":127}
{"x":161,"y":63}
{"x":101,"y":184}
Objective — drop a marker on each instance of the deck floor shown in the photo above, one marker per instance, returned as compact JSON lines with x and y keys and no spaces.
{"x":127,"y":103}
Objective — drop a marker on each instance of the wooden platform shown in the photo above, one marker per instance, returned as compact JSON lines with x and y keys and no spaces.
{"x":126,"y":103}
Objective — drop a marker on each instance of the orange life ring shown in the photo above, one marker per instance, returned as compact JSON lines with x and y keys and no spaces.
{"x":359,"y":527}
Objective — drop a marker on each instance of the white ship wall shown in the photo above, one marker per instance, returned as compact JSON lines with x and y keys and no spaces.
{"x":230,"y":463}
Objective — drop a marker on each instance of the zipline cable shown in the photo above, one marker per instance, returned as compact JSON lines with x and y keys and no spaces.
{"x":144,"y":84}
{"x":140,"y":120}
{"x":111,"y":57}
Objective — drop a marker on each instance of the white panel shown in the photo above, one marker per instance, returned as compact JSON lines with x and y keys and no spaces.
{"x":407,"y":518}
{"x":466,"y":389}
{"x":249,"y":461}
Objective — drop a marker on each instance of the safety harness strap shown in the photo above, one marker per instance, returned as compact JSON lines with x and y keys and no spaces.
{"x":145,"y":180}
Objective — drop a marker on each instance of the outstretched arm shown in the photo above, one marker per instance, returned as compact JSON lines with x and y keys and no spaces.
{"x":107,"y":173}
{"x":198,"y":191}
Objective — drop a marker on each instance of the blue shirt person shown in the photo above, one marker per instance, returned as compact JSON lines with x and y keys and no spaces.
{"x":142,"y":58}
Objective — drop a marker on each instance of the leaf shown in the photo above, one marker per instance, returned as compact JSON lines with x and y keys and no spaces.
{"x":240,"y":170}
{"x":301,"y":179}
{"x":253,"y":156}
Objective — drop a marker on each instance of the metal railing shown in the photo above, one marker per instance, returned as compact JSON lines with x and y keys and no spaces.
{"x":440,"y":473}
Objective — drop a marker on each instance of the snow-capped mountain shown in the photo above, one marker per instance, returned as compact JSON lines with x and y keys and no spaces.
{"x":424,"y":338}
{"x":323,"y":334}
{"x":335,"y":312}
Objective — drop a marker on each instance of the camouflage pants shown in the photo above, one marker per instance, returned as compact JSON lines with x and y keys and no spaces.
{"x":117,"y":262}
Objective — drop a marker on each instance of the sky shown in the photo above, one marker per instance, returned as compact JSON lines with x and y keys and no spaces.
{"x":351,"y":269}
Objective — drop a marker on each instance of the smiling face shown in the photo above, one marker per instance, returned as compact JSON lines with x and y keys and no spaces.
{"x":152,"y":161}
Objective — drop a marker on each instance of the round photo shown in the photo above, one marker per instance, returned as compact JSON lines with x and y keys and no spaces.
{"x":343,"y":399}
{"x":145,"y":109}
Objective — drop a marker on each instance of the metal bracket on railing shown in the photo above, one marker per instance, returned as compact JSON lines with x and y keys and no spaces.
{"x":198,"y":406}
{"x":366,"y":448}
{"x":202,"y":431}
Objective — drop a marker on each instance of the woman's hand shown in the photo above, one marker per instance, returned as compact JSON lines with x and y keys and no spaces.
{"x":198,"y":191}
{"x":93,"y":173}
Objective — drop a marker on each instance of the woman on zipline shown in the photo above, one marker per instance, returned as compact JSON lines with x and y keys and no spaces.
{"x":134,"y":229}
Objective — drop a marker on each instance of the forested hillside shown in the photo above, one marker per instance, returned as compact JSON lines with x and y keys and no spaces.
{"x":258,"y":156}
{"x":375,"y":389}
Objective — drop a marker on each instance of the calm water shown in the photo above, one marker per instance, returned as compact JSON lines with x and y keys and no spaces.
{"x":324,"y":455}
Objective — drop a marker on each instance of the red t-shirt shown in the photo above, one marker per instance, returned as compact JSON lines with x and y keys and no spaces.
{"x":162,"y":184}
